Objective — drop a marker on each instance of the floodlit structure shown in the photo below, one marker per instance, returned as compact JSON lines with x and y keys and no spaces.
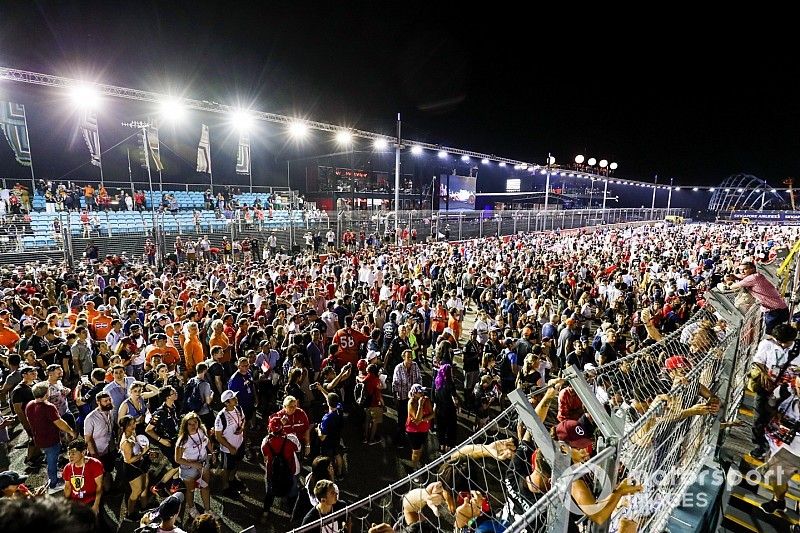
{"x":744,"y":191}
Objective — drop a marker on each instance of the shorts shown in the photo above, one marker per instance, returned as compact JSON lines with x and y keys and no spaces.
{"x":375,"y":414}
{"x":417,"y":439}
{"x":229,"y":461}
{"x":187,"y":472}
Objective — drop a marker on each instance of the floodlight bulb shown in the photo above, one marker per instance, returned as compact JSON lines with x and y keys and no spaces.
{"x":592,"y":161}
{"x":579,"y":159}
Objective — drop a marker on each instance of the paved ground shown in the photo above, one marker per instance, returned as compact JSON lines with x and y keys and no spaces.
{"x":371,"y":468}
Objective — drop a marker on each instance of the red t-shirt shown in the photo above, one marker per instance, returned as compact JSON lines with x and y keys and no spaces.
{"x":41,"y":416}
{"x":82,"y":480}
{"x":349,"y":341}
{"x":373,"y":386}
{"x":296,"y":424}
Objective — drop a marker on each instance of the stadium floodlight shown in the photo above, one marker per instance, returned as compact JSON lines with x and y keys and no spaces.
{"x":442,"y":154}
{"x":484,"y":161}
{"x":298,"y":129}
{"x":712,"y":189}
{"x":416,"y":149}
{"x":773,"y":191}
{"x":380,"y":144}
{"x":502,"y":164}
{"x":242,"y":120}
{"x":172,"y":109}
{"x":344,"y":138}
{"x":85,"y":96}
{"x":592,"y":161}
{"x":551,"y":160}
{"x":579,"y":159}
{"x":603,"y":163}
{"x":739,"y":190}
{"x":727,"y":190}
{"x":677,"y":188}
{"x":695,"y":189}
{"x":465,"y":158}
{"x":613,"y":166}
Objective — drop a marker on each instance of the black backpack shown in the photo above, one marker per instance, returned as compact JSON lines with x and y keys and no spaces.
{"x":360,"y":394}
{"x":192,"y":401}
{"x":282,"y":477}
{"x":506,"y":372}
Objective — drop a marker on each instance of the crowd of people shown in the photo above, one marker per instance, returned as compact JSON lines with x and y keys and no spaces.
{"x":153,"y":382}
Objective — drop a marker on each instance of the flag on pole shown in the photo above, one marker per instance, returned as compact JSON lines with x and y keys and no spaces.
{"x":204,"y":152}
{"x":14,"y":124}
{"x":92,"y":136}
{"x":243,"y":158}
{"x":155,"y":146}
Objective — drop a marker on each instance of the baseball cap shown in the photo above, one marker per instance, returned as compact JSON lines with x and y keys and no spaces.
{"x":372,"y":354}
{"x":415,"y":388}
{"x":677,"y":361}
{"x":275,"y":425}
{"x":170,"y":506}
{"x":576,"y":433}
{"x":25,"y":369}
{"x":9,"y":477}
{"x":102,"y":308}
{"x":227,"y":395}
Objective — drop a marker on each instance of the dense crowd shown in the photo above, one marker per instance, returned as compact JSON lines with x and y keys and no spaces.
{"x":152,"y":380}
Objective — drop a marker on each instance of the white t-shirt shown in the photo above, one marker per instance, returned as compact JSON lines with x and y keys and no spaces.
{"x":100,"y":426}
{"x":234,"y":429}
{"x":195,"y":448}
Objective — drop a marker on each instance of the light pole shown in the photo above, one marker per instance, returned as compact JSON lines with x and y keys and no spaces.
{"x":669,"y":196}
{"x":397,"y":184}
{"x":653,"y":204}
{"x":550,"y":161}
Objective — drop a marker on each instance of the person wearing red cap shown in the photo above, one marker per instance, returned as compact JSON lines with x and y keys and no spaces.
{"x":287,"y":446}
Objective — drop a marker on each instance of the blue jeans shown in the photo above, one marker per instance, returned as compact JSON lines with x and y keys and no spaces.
{"x":52,"y":453}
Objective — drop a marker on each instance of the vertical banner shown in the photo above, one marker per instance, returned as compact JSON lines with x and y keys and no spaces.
{"x":14,"y":124}
{"x":155,"y":145}
{"x":204,"y":152}
{"x":243,"y":157}
{"x":92,"y":136}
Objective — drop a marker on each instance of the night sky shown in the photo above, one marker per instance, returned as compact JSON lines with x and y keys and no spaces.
{"x":689,"y":99}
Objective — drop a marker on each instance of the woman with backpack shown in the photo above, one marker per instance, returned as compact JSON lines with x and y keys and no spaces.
{"x":282,"y":466}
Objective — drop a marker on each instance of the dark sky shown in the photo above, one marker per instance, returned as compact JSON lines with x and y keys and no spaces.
{"x":675,"y":94}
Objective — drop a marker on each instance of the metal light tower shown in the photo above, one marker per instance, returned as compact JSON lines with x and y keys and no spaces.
{"x":139,"y":125}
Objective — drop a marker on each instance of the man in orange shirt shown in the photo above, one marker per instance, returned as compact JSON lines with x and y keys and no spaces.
{"x":101,"y":325}
{"x":218,"y":338}
{"x":455,"y":325}
{"x":169,"y":355}
{"x":91,"y":312}
{"x":438,"y":322}
{"x":192,"y":349}
{"x":8,"y":337}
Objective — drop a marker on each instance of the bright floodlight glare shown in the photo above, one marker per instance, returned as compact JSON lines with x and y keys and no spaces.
{"x":502,"y":163}
{"x":85,"y":96}
{"x":551,"y":160}
{"x":172,"y":109}
{"x":442,"y":154}
{"x":695,"y":189}
{"x":380,"y":144}
{"x":484,"y":161}
{"x":416,"y":150}
{"x":677,"y":188}
{"x":603,"y":163}
{"x":712,"y":189}
{"x":298,"y":130}
{"x":344,"y":137}
{"x":739,"y":190}
{"x":579,"y":159}
{"x":773,"y":191}
{"x":592,"y":161}
{"x":242,"y":120}
{"x":613,"y":166}
{"x":465,"y":158}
